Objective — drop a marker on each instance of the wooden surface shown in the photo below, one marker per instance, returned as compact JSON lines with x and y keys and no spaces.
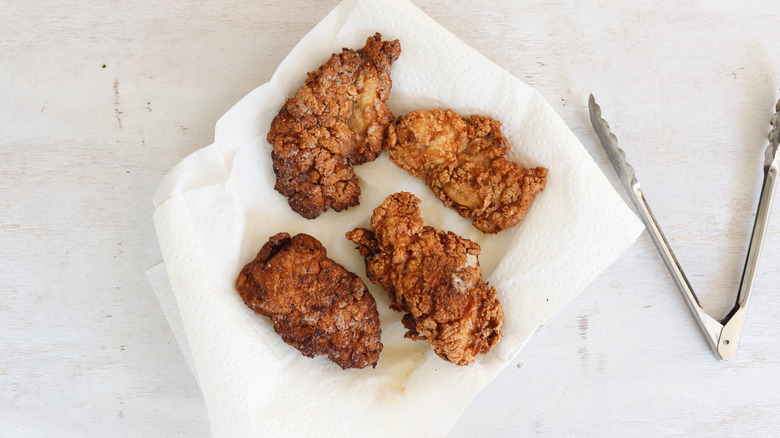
{"x":101,"y":98}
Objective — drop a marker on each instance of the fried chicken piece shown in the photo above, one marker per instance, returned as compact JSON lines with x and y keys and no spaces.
{"x":462,"y":161}
{"x":434,"y":276}
{"x":315,"y":304}
{"x":336,"y":120}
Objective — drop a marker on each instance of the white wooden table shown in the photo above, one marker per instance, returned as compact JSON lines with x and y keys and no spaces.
{"x":101,"y":98}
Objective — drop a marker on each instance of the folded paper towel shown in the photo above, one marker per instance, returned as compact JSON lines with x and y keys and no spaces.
{"x":217,"y":207}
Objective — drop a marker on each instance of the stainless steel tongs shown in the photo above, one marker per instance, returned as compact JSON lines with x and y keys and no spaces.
{"x":722,"y":336}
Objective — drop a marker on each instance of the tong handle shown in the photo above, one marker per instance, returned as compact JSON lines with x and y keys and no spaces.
{"x":732,"y":329}
{"x":710,"y":328}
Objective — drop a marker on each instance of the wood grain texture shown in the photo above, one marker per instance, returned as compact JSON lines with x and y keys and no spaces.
{"x":101,"y":98}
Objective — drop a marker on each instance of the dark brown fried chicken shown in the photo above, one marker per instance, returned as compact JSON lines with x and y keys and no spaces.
{"x":462,"y":161}
{"x":315,"y":304}
{"x":433,"y":276}
{"x":336,"y":120}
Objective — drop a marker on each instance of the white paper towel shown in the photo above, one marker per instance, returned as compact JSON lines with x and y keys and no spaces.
{"x":217,"y":207}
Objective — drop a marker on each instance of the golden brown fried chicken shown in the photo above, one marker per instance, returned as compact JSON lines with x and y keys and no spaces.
{"x":315,"y":304}
{"x":433,"y":276}
{"x":336,"y":120}
{"x":462,"y":161}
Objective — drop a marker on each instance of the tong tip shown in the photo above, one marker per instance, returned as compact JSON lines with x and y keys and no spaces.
{"x":609,"y":141}
{"x":593,"y":108}
{"x":775,"y":132}
{"x":774,"y":135}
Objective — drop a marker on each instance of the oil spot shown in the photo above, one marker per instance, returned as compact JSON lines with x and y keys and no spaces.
{"x":564,"y":390}
{"x":583,"y":325}
{"x":398,"y":364}
{"x":121,"y":414}
{"x":117,"y":106}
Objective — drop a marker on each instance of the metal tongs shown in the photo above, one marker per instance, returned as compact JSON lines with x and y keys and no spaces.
{"x":722,"y":336}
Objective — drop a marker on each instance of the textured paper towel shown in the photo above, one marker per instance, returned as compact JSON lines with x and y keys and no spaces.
{"x":217,"y":207}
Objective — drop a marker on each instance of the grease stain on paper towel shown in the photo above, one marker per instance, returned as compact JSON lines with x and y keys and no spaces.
{"x":401,"y":360}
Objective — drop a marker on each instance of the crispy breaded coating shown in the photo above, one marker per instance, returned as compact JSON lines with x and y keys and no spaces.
{"x":434,"y":276}
{"x":462,"y":161}
{"x":315,"y":304}
{"x":336,"y":120}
